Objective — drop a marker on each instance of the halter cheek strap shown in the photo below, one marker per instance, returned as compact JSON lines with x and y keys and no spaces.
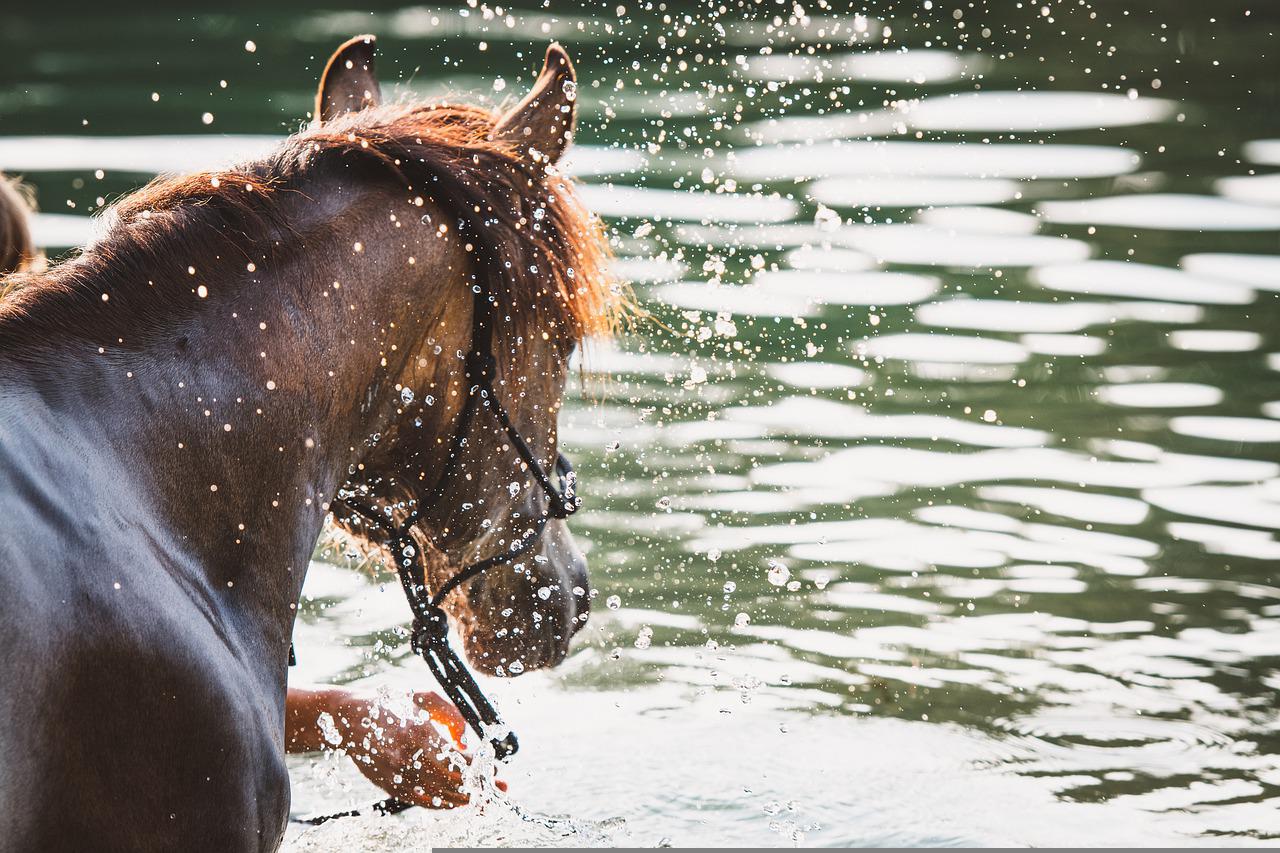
{"x":430,"y":633}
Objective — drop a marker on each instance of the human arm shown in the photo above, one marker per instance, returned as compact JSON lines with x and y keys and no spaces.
{"x":406,"y":756}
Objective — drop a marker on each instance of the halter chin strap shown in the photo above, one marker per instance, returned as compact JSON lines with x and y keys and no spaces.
{"x":430,"y":634}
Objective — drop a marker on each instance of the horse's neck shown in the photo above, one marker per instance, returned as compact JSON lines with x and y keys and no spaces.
{"x":234,"y":429}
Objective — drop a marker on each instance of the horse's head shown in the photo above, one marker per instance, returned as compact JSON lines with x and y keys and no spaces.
{"x":507,"y":221}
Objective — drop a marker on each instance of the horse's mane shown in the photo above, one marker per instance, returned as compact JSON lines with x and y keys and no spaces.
{"x":545,"y":255}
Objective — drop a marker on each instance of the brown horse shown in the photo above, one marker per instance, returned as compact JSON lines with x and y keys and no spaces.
{"x":180,"y":404}
{"x":17,"y":252}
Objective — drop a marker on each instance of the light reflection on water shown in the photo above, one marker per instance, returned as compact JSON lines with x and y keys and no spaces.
{"x":992,"y":374}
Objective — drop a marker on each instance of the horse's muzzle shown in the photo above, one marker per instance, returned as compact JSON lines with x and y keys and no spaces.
{"x":521,"y":621}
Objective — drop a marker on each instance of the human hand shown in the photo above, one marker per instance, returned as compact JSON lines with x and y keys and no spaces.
{"x":404,"y":754}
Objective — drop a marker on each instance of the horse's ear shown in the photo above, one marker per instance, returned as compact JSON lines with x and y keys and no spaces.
{"x":541,"y":126}
{"x":348,"y":83}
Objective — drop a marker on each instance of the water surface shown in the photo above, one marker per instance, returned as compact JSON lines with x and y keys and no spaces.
{"x":938,"y":499}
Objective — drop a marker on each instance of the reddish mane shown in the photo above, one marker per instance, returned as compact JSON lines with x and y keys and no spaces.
{"x":545,"y":254}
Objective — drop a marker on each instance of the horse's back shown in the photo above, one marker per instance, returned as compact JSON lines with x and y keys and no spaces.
{"x":126,"y":723}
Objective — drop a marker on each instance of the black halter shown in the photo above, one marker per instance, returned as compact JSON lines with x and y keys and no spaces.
{"x":430,"y":634}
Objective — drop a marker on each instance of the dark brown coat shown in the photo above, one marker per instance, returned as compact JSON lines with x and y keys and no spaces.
{"x":180,"y":403}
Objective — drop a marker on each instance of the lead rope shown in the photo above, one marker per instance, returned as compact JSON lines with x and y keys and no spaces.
{"x":429,"y":636}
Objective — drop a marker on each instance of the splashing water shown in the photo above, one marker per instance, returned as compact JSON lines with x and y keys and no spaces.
{"x":488,"y":819}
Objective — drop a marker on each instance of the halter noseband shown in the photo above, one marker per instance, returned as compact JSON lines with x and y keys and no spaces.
{"x":430,"y":633}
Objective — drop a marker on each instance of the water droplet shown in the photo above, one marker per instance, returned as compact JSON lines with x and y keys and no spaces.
{"x":329,"y":729}
{"x":406,"y":395}
{"x":613,"y":602}
{"x":826,"y":219}
{"x":742,"y":620}
{"x":729,"y":586}
{"x":570,"y":90}
{"x":516,"y":667}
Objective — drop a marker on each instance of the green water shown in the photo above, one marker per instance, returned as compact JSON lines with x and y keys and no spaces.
{"x":939,"y":493}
